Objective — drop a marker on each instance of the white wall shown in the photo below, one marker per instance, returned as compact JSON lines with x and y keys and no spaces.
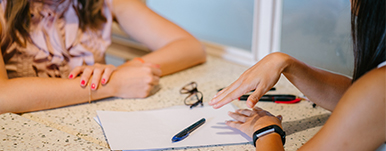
{"x":227,"y":22}
{"x":314,"y":31}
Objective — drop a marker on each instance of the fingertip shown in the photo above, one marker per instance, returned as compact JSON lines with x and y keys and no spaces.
{"x":214,"y":99}
{"x":93,"y":86}
{"x":217,"y":106}
{"x":227,"y":123}
{"x":212,"y":102}
{"x":105,"y":77}
{"x":103,"y":81}
{"x":249,"y":104}
{"x":82,"y":83}
{"x":214,"y":106}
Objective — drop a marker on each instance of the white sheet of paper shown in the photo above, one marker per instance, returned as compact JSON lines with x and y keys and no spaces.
{"x":154,"y":129}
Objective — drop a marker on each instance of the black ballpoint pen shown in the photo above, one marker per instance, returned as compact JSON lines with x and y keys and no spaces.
{"x":272,"y":97}
{"x":185,"y":133}
{"x":272,"y":89}
{"x":277,"y":98}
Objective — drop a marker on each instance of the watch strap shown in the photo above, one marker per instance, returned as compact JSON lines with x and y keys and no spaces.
{"x":267,"y":130}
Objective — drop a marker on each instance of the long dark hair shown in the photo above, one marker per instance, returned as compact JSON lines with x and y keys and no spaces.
{"x":368,"y":32}
{"x":18,"y":17}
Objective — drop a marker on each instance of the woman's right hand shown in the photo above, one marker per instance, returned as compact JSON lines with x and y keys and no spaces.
{"x":260,"y":77}
{"x":135,"y":80}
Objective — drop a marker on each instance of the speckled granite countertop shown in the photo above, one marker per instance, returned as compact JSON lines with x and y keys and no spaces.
{"x":73,"y":127}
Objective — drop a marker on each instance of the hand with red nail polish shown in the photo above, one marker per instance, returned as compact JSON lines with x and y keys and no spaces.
{"x":95,"y":74}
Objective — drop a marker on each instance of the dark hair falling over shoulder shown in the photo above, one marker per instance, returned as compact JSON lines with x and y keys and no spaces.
{"x":17,"y":15}
{"x":368,"y":32}
{"x":18,"y":18}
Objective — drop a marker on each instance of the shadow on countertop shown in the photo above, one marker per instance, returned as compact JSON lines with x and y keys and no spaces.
{"x":291,"y":127}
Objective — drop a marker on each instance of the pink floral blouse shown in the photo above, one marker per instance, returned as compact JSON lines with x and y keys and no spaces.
{"x":58,"y":44}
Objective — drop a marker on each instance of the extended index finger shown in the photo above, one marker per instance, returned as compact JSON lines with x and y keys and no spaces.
{"x":225,"y":91}
{"x":229,"y":97}
{"x":220,"y":95}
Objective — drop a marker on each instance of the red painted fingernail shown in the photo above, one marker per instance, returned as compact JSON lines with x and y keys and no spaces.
{"x":71,"y":76}
{"x":93,"y":86}
{"x":83,"y":82}
{"x":103,"y":81}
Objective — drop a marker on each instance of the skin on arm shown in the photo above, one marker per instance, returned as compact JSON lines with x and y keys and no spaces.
{"x":33,"y":93}
{"x":39,"y":93}
{"x":322,"y":87}
{"x":45,"y":93}
{"x":173,"y":48}
{"x":358,"y":121}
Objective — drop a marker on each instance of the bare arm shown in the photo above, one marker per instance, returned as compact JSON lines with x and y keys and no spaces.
{"x":174,"y":48}
{"x":34,"y":93}
{"x":358,"y":121}
{"x":30,"y":94}
{"x":322,"y":87}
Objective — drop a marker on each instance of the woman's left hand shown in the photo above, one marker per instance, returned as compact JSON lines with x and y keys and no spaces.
{"x":249,"y":121}
{"x":93,"y":74}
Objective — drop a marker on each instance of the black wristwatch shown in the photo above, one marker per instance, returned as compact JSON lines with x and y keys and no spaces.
{"x":267,"y":130}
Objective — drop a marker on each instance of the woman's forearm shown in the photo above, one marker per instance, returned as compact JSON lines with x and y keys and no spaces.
{"x":177,"y":55}
{"x":31,"y":94}
{"x":322,"y":87}
{"x":271,"y":142}
{"x":174,"y":49}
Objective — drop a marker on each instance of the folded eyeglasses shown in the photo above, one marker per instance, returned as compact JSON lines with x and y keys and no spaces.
{"x":195,"y":97}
